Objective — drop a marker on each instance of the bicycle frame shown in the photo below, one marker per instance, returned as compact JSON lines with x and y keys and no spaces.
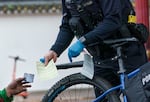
{"x":122,"y":78}
{"x":121,"y":86}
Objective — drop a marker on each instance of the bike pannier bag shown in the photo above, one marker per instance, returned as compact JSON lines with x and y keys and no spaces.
{"x":139,"y":31}
{"x":137,"y":88}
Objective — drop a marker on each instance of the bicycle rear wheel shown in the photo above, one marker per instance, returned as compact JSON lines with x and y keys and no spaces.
{"x":78,"y":88}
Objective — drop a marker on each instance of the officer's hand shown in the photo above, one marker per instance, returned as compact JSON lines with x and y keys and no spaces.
{"x":75,"y":50}
{"x":48,"y":56}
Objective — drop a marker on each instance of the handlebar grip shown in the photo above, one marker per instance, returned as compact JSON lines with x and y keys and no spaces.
{"x":42,"y":60}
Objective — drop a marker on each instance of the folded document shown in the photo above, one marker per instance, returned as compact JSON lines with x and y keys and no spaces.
{"x":46,"y":72}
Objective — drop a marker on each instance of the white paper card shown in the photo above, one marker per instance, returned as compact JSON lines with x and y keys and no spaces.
{"x":46,"y":72}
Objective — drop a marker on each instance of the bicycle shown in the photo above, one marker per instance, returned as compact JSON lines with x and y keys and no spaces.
{"x":107,"y":92}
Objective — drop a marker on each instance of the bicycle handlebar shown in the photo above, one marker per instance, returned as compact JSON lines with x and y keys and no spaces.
{"x":131,"y":39}
{"x":70,"y":65}
{"x":66,"y":65}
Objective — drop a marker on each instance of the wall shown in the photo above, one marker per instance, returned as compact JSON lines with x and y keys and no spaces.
{"x":29,"y":37}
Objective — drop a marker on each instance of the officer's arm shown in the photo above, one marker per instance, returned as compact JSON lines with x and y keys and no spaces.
{"x":112,"y":20}
{"x":65,"y":35}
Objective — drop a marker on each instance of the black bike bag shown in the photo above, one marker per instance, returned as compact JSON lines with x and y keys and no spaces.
{"x":137,"y":88}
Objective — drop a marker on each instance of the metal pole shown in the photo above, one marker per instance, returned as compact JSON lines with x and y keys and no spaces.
{"x":17,"y":58}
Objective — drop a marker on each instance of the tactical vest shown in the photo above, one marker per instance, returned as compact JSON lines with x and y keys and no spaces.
{"x":85,"y":15}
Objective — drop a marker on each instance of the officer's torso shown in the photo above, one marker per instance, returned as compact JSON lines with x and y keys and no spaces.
{"x":85,"y":13}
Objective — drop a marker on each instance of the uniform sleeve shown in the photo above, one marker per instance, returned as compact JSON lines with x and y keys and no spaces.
{"x":4,"y":96}
{"x":111,"y":10}
{"x":65,"y":35}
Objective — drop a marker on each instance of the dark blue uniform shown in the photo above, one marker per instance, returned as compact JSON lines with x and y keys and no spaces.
{"x":114,"y":13}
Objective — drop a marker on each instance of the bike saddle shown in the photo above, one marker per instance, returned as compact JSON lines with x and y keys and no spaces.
{"x":120,"y":42}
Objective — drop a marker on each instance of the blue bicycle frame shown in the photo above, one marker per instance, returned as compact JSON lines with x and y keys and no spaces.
{"x":122,"y":78}
{"x":121,"y":86}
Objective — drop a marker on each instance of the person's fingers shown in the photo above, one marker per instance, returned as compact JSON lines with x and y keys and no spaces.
{"x":46,"y":61}
{"x":47,"y":58}
{"x":23,"y":87}
{"x":24,"y":82}
{"x":20,"y":79}
{"x":19,"y":91}
{"x":26,"y":86}
{"x":70,"y":57}
{"x":54,"y":57}
{"x":24,"y":90}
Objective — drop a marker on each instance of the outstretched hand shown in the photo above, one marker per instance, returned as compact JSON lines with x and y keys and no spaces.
{"x":17,"y":86}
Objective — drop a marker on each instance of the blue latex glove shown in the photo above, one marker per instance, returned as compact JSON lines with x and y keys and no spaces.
{"x":75,"y":50}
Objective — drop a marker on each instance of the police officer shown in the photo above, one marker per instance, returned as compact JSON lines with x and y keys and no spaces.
{"x":93,"y":21}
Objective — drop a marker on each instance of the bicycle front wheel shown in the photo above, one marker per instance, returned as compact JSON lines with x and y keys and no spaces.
{"x":78,"y":88}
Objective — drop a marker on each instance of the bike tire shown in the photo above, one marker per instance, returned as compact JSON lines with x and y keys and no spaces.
{"x":58,"y":91}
